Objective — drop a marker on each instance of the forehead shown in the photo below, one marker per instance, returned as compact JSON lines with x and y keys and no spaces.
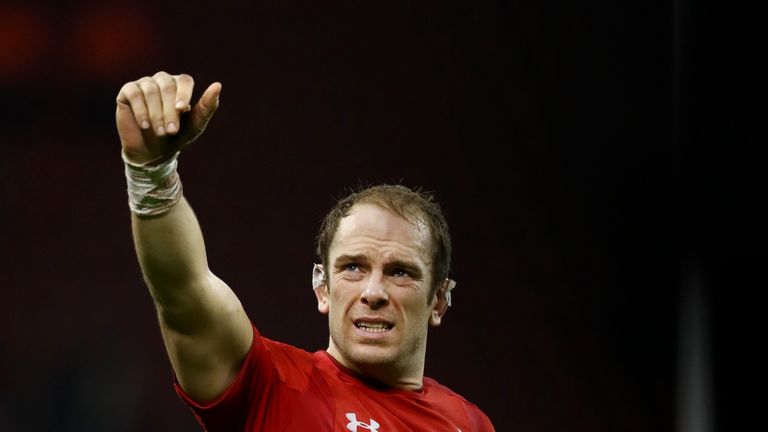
{"x":370,"y":227}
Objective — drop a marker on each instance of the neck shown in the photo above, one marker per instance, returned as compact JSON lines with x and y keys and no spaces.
{"x":406,"y":376}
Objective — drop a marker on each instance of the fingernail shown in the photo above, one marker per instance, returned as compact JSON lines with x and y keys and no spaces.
{"x":171,"y":128}
{"x":180,"y":104}
{"x":160,"y":131}
{"x":145,"y":124}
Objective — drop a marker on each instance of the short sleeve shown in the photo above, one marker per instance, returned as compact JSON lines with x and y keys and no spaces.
{"x":229,"y":411}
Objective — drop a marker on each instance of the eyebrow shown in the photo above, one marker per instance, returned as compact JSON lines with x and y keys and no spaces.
{"x":350,"y":258}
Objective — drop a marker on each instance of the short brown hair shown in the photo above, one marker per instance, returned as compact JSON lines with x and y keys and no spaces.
{"x":411,"y":204}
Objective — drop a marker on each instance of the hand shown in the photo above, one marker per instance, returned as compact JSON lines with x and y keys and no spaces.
{"x":154,"y":117}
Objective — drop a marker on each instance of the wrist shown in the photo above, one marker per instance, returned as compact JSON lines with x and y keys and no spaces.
{"x":153,"y":187}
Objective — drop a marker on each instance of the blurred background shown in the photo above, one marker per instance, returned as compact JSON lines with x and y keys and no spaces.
{"x":594,"y":160}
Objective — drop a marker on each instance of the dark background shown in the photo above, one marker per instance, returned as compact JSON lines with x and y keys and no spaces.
{"x":594,"y":159}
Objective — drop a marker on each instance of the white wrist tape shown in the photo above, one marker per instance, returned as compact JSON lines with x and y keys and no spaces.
{"x":152,"y":190}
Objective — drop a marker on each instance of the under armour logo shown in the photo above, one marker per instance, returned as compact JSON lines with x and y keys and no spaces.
{"x":354,"y":424}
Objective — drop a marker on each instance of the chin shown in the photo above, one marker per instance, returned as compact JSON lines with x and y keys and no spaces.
{"x":360,"y":355}
{"x":371,"y":355}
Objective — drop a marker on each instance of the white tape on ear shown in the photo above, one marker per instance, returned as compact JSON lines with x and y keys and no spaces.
{"x":318,"y":276}
{"x":447,"y":292}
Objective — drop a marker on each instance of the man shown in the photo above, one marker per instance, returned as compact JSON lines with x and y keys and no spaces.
{"x":385,"y":254}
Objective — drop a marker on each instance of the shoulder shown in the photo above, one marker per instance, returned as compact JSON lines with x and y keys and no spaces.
{"x":293,"y":365}
{"x":277,"y":348}
{"x":439,"y":390}
{"x":477,"y":418}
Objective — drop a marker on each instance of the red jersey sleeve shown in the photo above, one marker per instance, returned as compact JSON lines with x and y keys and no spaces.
{"x":271,"y":374}
{"x":478,"y":420}
{"x":228,"y":411}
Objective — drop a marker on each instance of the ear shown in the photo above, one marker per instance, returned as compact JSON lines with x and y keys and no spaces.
{"x":442,"y":301}
{"x":321,"y":293}
{"x":320,"y":287}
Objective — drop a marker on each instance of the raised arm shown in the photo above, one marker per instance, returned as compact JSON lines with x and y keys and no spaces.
{"x":206,"y":331}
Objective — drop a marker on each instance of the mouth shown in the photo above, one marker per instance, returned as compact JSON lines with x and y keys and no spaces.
{"x":374,"y":327}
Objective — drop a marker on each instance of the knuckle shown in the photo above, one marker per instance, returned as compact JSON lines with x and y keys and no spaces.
{"x":127,"y":90}
{"x":150,"y":88}
{"x":161,"y":74}
{"x":185,"y":79}
{"x":167,"y":86}
{"x":132,"y":95}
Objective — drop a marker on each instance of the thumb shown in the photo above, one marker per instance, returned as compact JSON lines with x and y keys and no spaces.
{"x":205,"y":108}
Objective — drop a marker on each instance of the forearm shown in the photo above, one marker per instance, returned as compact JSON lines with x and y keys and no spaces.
{"x":204,"y":326}
{"x":168,"y":240}
{"x":171,"y":253}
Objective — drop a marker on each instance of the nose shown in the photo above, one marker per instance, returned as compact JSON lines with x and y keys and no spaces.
{"x":374,"y":293}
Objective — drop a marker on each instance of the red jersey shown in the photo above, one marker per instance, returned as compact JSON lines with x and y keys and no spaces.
{"x":283,"y":388}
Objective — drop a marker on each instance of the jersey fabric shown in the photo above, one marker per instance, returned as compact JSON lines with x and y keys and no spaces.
{"x":281,"y":388}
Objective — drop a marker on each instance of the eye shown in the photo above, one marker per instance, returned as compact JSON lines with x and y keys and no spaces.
{"x":351,"y":267}
{"x":401,"y":273}
{"x":351,"y":271}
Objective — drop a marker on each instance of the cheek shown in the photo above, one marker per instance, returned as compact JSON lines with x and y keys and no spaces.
{"x":339,"y":301}
{"x":343,"y":292}
{"x":416,"y":308}
{"x":336,"y":300}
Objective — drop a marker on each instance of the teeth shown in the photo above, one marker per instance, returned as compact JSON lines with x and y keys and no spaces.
{"x":373,"y":327}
